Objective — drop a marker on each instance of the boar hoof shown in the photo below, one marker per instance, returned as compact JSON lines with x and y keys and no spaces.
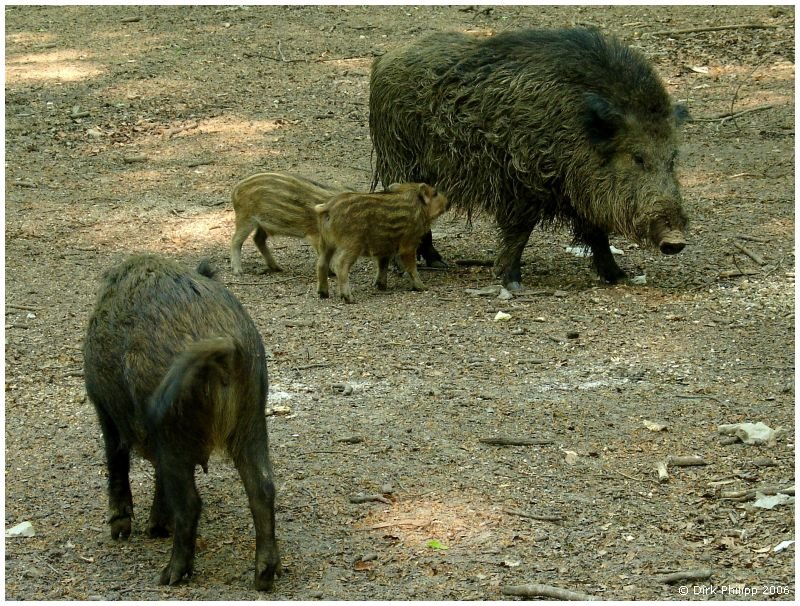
{"x":265,"y":578}
{"x":323,"y":294}
{"x":174,"y":573}
{"x":513,"y":285}
{"x":437,"y":264}
{"x":120,"y":528}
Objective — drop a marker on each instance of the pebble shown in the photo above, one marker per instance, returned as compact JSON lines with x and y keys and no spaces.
{"x":23,"y":529}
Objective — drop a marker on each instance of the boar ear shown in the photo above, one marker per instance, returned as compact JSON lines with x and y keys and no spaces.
{"x":600,"y":118}
{"x":681,"y":114}
{"x":426,"y":193}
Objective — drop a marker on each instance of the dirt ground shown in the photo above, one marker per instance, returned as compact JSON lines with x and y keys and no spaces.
{"x":126,"y":129}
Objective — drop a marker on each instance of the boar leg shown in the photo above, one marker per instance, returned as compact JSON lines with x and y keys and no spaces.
{"x":427,"y":251}
{"x":409,"y":260}
{"x":507,"y":266}
{"x":252,"y":462}
{"x":160,"y":517}
{"x":120,"y":501}
{"x":343,"y":265}
{"x":383,"y":268}
{"x":260,"y":238}
{"x":602,"y":258}
{"x":323,"y":264}
{"x":243,"y":229}
{"x":184,"y":502}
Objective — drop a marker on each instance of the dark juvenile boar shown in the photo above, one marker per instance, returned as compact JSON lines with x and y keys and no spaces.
{"x":275,"y":204}
{"x":379,"y":225}
{"x":536,"y":127}
{"x":175,"y":369}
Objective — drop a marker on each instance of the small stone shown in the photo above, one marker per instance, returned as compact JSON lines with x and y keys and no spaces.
{"x":502,"y":316}
{"x":23,"y":529}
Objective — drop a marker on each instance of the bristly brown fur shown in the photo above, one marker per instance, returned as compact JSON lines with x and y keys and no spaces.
{"x":534,"y":127}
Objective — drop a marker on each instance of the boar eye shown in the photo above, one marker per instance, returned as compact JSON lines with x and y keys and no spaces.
{"x":639,"y":159}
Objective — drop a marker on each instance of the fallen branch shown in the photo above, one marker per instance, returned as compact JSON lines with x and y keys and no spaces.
{"x":736,"y":273}
{"x":687,"y":575}
{"x":731,"y":116}
{"x":415,"y":523}
{"x":547,"y":591}
{"x":663,"y":474}
{"x":746,"y":495}
{"x":368,"y":498}
{"x":688,"y":396}
{"x":689,"y":461}
{"x":752,"y":238}
{"x":717,"y":28}
{"x":310,"y":366}
{"x":533,"y":516}
{"x":22,"y":307}
{"x":746,"y":251}
{"x":200,"y":162}
{"x":514,"y":441}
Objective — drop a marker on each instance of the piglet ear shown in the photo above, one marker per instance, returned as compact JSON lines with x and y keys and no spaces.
{"x":426,"y":193}
{"x":681,"y":114}
{"x":601,"y":118}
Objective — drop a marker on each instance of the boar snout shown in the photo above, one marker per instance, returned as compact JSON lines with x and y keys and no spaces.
{"x":672,"y":242}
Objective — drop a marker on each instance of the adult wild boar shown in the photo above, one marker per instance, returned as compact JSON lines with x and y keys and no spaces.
{"x":175,"y":369}
{"x":536,"y":127}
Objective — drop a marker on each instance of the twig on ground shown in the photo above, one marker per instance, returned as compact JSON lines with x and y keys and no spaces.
{"x":688,"y":396}
{"x":663,"y":474}
{"x":533,"y":516}
{"x":22,"y":307}
{"x":717,"y":28}
{"x":310,"y":366}
{"x":625,"y":475}
{"x":735,"y":273}
{"x":515,"y":441}
{"x":746,"y":251}
{"x":730,"y":115}
{"x":368,"y":498}
{"x":200,"y":162}
{"x":752,"y":238}
{"x":415,"y":523}
{"x":746,"y":495}
{"x":546,"y":591}
{"x":687,"y":461}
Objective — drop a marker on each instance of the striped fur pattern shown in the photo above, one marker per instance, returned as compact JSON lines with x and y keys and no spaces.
{"x":275,"y":204}
{"x":379,"y":225}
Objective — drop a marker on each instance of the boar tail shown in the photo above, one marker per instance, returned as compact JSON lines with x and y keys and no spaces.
{"x":199,"y":366}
